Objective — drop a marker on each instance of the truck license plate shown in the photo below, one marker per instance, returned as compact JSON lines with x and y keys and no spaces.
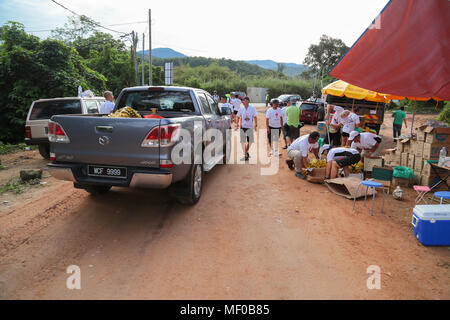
{"x":108,"y":172}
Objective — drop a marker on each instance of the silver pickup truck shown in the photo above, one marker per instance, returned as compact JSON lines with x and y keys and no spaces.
{"x":165,"y":148}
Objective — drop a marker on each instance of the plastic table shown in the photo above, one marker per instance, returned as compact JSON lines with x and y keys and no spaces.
{"x":442,"y":195}
{"x":369,"y":184}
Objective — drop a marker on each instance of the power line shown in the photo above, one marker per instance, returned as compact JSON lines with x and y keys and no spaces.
{"x":108,"y":25}
{"x":95,"y":23}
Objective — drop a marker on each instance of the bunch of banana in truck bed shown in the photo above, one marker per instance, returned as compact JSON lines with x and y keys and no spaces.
{"x":126,"y":112}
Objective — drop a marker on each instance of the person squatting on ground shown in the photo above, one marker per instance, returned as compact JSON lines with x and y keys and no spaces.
{"x":399,"y":117}
{"x":368,"y":143}
{"x":299,"y":150}
{"x":247,"y":115}
{"x":274,"y":122}
{"x":338,"y":158}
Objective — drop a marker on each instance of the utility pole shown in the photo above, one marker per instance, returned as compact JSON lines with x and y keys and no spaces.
{"x":150,"y":71}
{"x":133,"y":52}
{"x":143,"y":65}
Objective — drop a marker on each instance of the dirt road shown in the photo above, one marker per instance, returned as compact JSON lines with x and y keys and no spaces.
{"x":250,"y":237}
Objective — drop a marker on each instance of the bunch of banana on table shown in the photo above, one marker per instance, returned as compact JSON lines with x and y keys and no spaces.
{"x":126,"y":112}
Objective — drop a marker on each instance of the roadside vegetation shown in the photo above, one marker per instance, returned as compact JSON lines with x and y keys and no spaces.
{"x":16,"y":186}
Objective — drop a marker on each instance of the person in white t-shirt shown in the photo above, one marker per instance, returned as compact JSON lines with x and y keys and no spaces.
{"x":333,"y":132}
{"x":108,"y":106}
{"x":339,"y":158}
{"x":216,"y":97}
{"x":247,"y":116}
{"x":346,"y":121}
{"x":299,"y":150}
{"x":274,"y":122}
{"x":369,"y":144}
{"x":236,"y":102}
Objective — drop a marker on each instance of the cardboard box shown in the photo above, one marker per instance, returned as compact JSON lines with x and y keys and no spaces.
{"x":431,"y":150}
{"x":417,"y":178}
{"x":399,"y":146}
{"x":437,"y":135}
{"x":418,"y":164}
{"x":402,"y":182}
{"x":317,"y":175}
{"x":406,"y":145}
{"x":404,"y":159}
{"x":411,"y":158}
{"x":421,"y":134}
{"x":426,"y":170}
{"x":369,"y":163}
{"x":418,"y":148}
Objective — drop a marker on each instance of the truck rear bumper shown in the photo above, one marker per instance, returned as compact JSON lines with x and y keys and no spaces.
{"x":137,"y":177}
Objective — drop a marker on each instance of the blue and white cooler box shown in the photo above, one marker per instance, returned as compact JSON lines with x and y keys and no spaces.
{"x":432,"y":224}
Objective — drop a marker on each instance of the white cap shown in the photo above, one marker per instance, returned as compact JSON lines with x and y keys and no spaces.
{"x":324,"y":147}
{"x":353,"y":134}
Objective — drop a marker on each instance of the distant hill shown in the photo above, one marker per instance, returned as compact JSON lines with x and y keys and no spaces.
{"x":249,"y":67}
{"x":241,"y":67}
{"x":164,"y":53}
{"x":291,"y":69}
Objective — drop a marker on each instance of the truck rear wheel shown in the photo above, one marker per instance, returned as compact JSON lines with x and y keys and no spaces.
{"x":97,"y":190}
{"x":193,"y":186}
{"x":44,"y":150}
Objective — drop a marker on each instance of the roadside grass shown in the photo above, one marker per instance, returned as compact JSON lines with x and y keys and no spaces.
{"x":17,"y":186}
{"x":11,"y":148}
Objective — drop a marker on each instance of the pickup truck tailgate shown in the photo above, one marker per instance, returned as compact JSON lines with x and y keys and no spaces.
{"x":106,"y":141}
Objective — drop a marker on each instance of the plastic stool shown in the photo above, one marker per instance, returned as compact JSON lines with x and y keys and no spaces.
{"x":369,"y":184}
{"x":442,"y":195}
{"x":421,"y":192}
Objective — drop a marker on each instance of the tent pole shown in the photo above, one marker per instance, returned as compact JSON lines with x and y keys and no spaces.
{"x":414,"y":114}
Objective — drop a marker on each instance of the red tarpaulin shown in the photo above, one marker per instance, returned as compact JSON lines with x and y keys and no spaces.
{"x":405,"y":52}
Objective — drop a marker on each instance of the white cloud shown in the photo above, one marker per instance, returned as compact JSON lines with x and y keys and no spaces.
{"x":280,"y":30}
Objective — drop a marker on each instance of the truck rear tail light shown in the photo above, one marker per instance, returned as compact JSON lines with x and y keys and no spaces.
{"x":152,"y":139}
{"x":164,"y":136}
{"x":52,"y":156}
{"x":28,"y":132}
{"x":169,"y":135}
{"x":56,"y":133}
{"x":165,"y":164}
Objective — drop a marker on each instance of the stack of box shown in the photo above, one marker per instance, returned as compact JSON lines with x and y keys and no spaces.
{"x":414,"y":153}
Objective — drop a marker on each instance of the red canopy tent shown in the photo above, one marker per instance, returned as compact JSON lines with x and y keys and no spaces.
{"x":405,"y":52}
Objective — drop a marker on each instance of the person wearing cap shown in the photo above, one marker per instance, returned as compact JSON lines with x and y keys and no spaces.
{"x":346,"y":121}
{"x":274,"y":122}
{"x":339,"y":158}
{"x":247,"y":116}
{"x":299,"y":150}
{"x":369,"y":144}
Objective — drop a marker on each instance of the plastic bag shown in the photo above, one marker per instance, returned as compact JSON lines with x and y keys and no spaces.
{"x":403,"y":172}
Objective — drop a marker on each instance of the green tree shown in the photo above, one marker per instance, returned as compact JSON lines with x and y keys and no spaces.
{"x":31,"y":69}
{"x":322,"y":57}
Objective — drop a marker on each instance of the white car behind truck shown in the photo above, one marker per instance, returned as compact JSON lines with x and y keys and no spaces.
{"x":36,"y":126}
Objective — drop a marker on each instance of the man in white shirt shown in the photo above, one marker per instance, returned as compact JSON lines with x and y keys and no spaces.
{"x":298,"y":152}
{"x":236,"y":102}
{"x":216,"y":97}
{"x":108,"y":106}
{"x":339,"y":158}
{"x":247,"y":115}
{"x":369,"y":143}
{"x":346,"y":120}
{"x":274,"y":122}
{"x":334,"y":132}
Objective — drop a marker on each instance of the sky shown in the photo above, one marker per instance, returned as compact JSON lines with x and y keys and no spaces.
{"x":279,"y":30}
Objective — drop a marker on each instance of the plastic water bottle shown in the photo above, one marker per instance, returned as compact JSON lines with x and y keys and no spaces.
{"x":442,"y":155}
